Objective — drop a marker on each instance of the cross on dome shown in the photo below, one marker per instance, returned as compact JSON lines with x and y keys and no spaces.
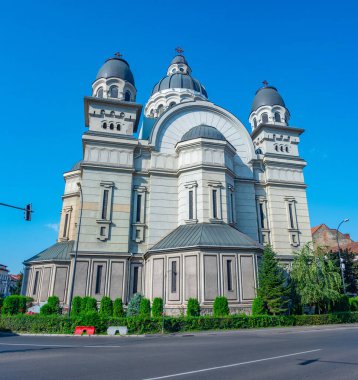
{"x":118,"y":54}
{"x":179,"y":50}
{"x":265,"y":83}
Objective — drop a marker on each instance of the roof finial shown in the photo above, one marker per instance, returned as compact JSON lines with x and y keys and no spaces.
{"x":118,"y":54}
{"x":179,"y":50}
{"x":265,"y":83}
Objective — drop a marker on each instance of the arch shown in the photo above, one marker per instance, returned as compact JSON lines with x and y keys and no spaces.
{"x":113,"y":114}
{"x":160,"y":109}
{"x":104,"y":125}
{"x":113,"y":91}
{"x":264,"y":118}
{"x":277,"y":116}
{"x":172,"y":104}
{"x":127,"y":96}
{"x":111,"y":126}
{"x":276,"y":147}
{"x":179,"y":119}
{"x":99,"y":93}
{"x":118,"y":127}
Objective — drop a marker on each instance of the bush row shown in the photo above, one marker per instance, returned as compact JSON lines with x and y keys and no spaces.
{"x":60,"y":324}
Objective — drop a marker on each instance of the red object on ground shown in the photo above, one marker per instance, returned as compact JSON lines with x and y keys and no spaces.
{"x":30,"y":313}
{"x":81,"y":330}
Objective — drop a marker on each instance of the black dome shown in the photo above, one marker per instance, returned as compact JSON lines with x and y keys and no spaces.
{"x":203,"y":131}
{"x":179,"y":80}
{"x":267,"y":96}
{"x":116,"y":67}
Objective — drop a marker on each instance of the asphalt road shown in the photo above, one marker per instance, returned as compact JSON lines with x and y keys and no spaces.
{"x":329,"y":352}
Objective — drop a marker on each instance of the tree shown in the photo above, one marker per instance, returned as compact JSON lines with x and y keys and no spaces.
{"x":134,"y":305}
{"x":106,"y":307}
{"x":350,"y":270}
{"x":157,"y":307}
{"x":193,"y":308}
{"x":273,"y":288}
{"x":221,"y":307}
{"x":316,"y":278}
{"x":118,"y":311}
{"x":144,"y":308}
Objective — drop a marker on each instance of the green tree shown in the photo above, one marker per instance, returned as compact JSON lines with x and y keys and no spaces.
{"x":273,"y":288}
{"x":157,"y":307}
{"x":76,"y":306}
{"x":106,"y":307}
{"x":88,"y":304}
{"x":134,"y":305}
{"x":221,"y":307}
{"x":316,"y":278}
{"x":118,"y":311}
{"x":193,"y":309}
{"x":258,"y":307}
{"x":144,"y":309}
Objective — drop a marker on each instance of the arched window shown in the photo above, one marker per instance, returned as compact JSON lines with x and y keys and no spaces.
{"x":281,"y":148}
{"x":286,"y":149}
{"x":104,"y":125}
{"x":112,"y":114}
{"x":277,"y":117}
{"x":172,"y":104}
{"x":160,"y":109}
{"x":264,"y":118}
{"x":121,"y":115}
{"x":111,"y":126}
{"x":259,"y":151}
{"x":100,"y":93}
{"x":151,"y":113}
{"x":276,"y":148}
{"x":113,"y":92}
{"x":102,"y":112}
{"x":255,"y":122}
{"x":127,"y":96}
{"x":118,"y":127}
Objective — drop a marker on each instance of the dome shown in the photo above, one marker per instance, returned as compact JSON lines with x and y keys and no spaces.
{"x":116,"y":67}
{"x":267,"y":96}
{"x":178,"y":59}
{"x":203,"y":131}
{"x":179,"y":80}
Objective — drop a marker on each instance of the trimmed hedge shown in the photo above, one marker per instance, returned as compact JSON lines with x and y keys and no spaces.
{"x":144,"y":308}
{"x":13,"y":305}
{"x":106,"y":307}
{"x":221,"y":307}
{"x":59,"y":324}
{"x":157,"y":307}
{"x":193,"y":308}
{"x":118,"y":311}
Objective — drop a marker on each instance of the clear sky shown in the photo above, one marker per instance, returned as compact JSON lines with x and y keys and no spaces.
{"x":51,"y":52}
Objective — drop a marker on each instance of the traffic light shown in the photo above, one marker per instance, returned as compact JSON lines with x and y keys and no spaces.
{"x":28,"y":211}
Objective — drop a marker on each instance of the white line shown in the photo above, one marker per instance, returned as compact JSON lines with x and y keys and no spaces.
{"x":54,"y":345}
{"x":231,"y":365}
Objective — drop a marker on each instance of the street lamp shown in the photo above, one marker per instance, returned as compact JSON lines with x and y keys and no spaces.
{"x":76,"y":252}
{"x":341,"y":264}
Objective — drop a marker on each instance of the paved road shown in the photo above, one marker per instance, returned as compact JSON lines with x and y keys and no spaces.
{"x":329,"y":352}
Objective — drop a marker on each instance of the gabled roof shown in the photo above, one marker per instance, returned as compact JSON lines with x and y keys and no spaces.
{"x":57,"y":252}
{"x":316,"y":228}
{"x":205,"y":235}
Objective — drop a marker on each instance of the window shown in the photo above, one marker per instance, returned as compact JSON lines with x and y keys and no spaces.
{"x":139,"y":208}
{"x":111,"y":126}
{"x":99,"y":279}
{"x":191,"y":204}
{"x":118,"y":127}
{"x":113,"y":92}
{"x":112,"y":114}
{"x":100,"y":93}
{"x":215,"y":206}
{"x":65,"y":226}
{"x":137,"y":233}
{"x":264,"y":118}
{"x":281,"y":148}
{"x":276,"y":148}
{"x":255,"y":122}
{"x":172,"y":104}
{"x":262,"y":215}
{"x":103,"y":231}
{"x":160,"y":109}
{"x":105,"y":204}
{"x":127,"y":96}
{"x":229,"y":275}
{"x":174,"y":276}
{"x":135,"y":280}
{"x":104,"y":125}
{"x":34,"y":290}
{"x":290,"y":210}
{"x":277,"y":117}
{"x":286,"y":149}
{"x":103,"y":112}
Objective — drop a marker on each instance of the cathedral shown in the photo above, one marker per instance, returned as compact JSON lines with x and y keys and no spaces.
{"x":174,"y":199}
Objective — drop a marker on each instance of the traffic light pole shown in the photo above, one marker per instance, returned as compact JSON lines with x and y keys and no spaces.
{"x":28,"y":209}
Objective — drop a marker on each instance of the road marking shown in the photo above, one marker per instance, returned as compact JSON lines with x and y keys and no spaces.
{"x":231,"y":365}
{"x":54,"y":345}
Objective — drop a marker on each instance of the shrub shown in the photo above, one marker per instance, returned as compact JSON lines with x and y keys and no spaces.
{"x":22,"y":304}
{"x":353,"y":303}
{"x":11,"y":305}
{"x":76,"y":306}
{"x":51,"y":307}
{"x":193,"y":309}
{"x":157,"y":307}
{"x":1,"y":303}
{"x":342,"y":304}
{"x":46,"y":309}
{"x":134,"y":305}
{"x":118,"y":311}
{"x":258,"y":306}
{"x":88,"y":304}
{"x":144,"y":308}
{"x":221,"y":307}
{"x":106,"y":307}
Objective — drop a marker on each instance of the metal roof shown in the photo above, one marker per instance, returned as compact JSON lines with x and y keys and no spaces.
{"x":179,"y":59}
{"x":209,"y":235}
{"x":204,"y":131}
{"x":116,"y":67}
{"x":57,"y":252}
{"x":267,"y":96}
{"x":76,"y":166}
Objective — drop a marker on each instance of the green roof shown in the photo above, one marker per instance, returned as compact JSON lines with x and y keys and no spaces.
{"x":205,"y":235}
{"x":57,"y":252}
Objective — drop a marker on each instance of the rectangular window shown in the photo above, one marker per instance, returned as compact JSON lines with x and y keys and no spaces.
{"x":34,"y":290}
{"x":65,"y":226}
{"x":191,"y":205}
{"x":174,"y":276}
{"x":290,"y":210}
{"x":139,"y":206}
{"x":135,"y":280}
{"x":262,"y":215}
{"x":105,"y":204}
{"x":99,"y":279}
{"x":229,"y":275}
{"x":215,"y":206}
{"x":103,"y":231}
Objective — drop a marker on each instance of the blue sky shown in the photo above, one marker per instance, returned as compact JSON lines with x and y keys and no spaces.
{"x":51,"y":52}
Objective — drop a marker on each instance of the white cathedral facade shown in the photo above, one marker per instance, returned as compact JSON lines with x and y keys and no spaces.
{"x":179,"y":206}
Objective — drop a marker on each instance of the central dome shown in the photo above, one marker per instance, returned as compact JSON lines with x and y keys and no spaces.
{"x":203,"y":131}
{"x":179,"y":80}
{"x":116,"y":67}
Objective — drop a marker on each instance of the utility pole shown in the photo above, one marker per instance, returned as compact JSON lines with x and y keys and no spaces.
{"x":341,"y":263}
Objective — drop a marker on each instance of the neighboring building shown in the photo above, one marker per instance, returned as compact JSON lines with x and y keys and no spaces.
{"x":184,"y":209}
{"x":4,"y":280}
{"x":326,"y":237}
